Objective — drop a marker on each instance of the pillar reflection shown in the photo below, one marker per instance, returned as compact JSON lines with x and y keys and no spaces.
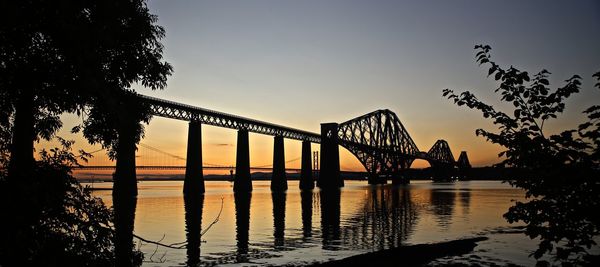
{"x":465,"y":200}
{"x":242,"y":224}
{"x":194,"y":204}
{"x":330,"y":217}
{"x":279,"y":199}
{"x":124,"y":211}
{"x":443,"y":202}
{"x":306,"y":201}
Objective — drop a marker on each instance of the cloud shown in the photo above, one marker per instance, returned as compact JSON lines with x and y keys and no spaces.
{"x":221,"y":144}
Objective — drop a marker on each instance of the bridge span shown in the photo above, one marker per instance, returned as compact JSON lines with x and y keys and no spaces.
{"x":377,"y":139}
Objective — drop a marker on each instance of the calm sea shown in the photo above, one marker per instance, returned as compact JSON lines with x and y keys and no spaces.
{"x":296,"y":228}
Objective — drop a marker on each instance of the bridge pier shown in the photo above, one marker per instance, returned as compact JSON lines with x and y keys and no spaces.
{"x":399,"y":179}
{"x":443,"y":172}
{"x":278,"y":180}
{"x":374,"y":178}
{"x":124,"y":177}
{"x":330,"y":177}
{"x":194,"y":178}
{"x":306,"y":181}
{"x":242,"y":181}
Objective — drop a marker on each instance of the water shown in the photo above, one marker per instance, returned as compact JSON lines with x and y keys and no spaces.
{"x":297,"y":228}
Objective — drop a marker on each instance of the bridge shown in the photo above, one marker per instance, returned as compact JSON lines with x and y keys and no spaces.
{"x":378,"y":140}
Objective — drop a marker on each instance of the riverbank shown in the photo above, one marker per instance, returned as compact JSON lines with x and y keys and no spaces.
{"x":414,"y":255}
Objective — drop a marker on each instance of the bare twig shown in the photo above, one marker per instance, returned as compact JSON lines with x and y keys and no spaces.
{"x":158,"y":243}
{"x":180,"y":245}
{"x":216,"y":219}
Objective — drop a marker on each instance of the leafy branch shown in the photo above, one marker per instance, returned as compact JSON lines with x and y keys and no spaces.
{"x":559,"y":172}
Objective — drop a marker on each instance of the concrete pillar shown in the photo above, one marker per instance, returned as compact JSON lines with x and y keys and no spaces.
{"x":242,"y":181}
{"x":306,"y":181}
{"x":278,"y":181}
{"x":124,"y":178}
{"x":373,"y":178}
{"x":399,"y":178}
{"x":330,"y":158}
{"x":194,"y":178}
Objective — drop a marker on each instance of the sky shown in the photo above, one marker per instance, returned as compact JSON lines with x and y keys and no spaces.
{"x":302,"y":63}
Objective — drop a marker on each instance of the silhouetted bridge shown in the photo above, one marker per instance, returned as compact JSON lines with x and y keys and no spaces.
{"x":378,"y":140}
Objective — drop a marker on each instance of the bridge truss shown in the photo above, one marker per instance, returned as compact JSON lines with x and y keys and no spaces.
{"x":383,"y":146}
{"x":179,"y":111}
{"x":378,"y":139}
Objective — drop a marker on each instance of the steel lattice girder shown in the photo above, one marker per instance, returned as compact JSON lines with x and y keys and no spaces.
{"x":440,"y":153}
{"x":463,"y":160}
{"x":178,"y":111}
{"x":379,"y":141}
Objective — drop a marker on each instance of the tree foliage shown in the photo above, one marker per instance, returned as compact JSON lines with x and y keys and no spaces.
{"x":559,"y":172}
{"x":66,"y":56}
{"x":63,"y":225}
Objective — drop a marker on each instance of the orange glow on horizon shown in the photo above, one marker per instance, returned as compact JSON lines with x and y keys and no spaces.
{"x":219,"y":147}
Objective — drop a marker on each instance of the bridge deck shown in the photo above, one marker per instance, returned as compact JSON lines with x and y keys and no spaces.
{"x":179,"y":111}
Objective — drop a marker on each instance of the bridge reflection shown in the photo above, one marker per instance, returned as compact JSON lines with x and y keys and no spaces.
{"x":242,"y":224}
{"x":443,"y":204}
{"x":278,"y":218}
{"x":374,"y":217}
{"x":386,"y":220}
{"x":193,"y":227}
{"x":124,"y":217}
{"x":306,"y":200}
{"x":330,"y":218}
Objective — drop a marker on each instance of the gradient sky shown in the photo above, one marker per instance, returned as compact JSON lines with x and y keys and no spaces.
{"x":301,"y":63}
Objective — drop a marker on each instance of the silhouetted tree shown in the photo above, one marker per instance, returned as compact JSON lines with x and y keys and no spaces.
{"x":67,"y":56}
{"x":53,"y":220}
{"x":63,"y":56}
{"x":558,"y":171}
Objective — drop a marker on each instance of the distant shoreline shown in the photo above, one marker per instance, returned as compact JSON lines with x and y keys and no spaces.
{"x":473,"y":174}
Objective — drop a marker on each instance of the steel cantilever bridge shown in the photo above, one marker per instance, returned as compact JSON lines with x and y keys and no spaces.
{"x":378,"y":139}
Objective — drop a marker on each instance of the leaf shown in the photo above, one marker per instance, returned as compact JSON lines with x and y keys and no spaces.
{"x":498,"y":76}
{"x":534,"y":128}
{"x":76,"y":129}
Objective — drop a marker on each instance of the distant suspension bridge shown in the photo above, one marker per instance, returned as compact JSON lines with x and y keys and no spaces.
{"x":153,"y":158}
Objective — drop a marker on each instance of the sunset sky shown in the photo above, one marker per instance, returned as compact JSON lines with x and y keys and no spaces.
{"x":302,"y":63}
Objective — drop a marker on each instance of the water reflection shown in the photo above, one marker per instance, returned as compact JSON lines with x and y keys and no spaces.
{"x":124,"y":212}
{"x":306,"y":199}
{"x":279,"y":198}
{"x":194,"y":204}
{"x":465,"y":200}
{"x":242,"y":224}
{"x":330,"y":218}
{"x":358,"y":217}
{"x":442,"y":202}
{"x":387,"y":219}
{"x":404,"y":215}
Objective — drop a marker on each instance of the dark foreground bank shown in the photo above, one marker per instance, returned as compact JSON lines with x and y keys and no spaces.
{"x":415,"y":255}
